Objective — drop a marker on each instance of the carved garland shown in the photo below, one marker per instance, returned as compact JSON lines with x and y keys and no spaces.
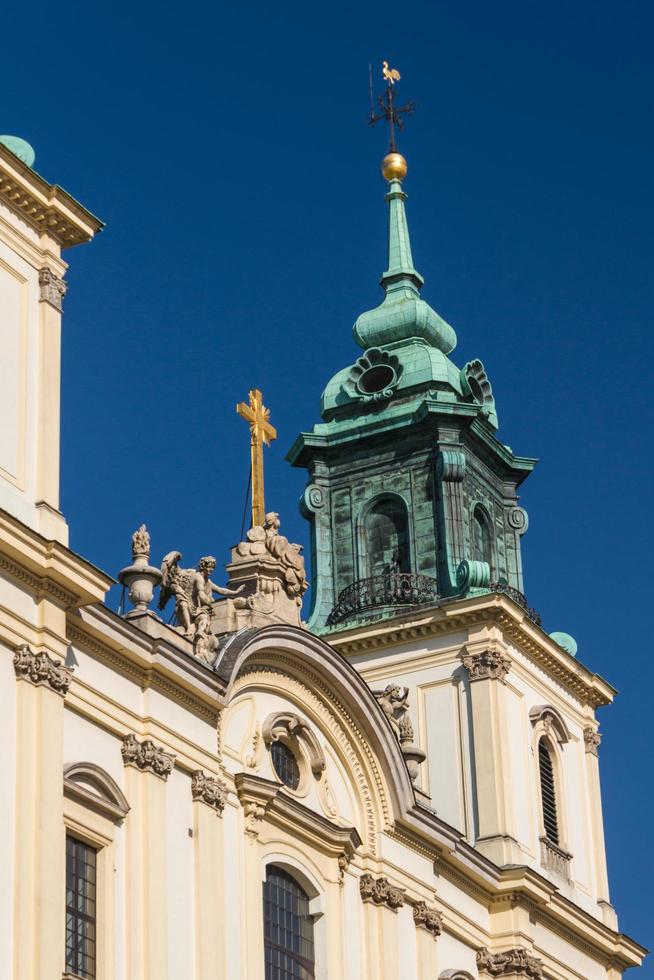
{"x":487,"y":665}
{"x":147,"y":756}
{"x":42,"y":670}
{"x":209,"y":790}
{"x":307,"y":698}
{"x":379,"y":891}
{"x":510,"y":963}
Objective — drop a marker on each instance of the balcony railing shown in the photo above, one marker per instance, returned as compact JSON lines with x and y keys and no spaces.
{"x":517,"y":597}
{"x":389,"y":589}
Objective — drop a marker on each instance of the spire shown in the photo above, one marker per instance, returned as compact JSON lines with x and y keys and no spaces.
{"x":403,"y":315}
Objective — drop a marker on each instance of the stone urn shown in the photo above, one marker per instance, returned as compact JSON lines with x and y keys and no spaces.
{"x":140,"y":577}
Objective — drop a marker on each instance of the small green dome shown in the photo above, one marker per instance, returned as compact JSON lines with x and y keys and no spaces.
{"x":20,"y":147}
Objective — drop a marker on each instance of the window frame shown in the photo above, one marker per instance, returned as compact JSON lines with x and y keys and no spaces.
{"x":312,"y":914}
{"x":363,"y":556}
{"x":79,"y":915}
{"x":479,"y":508}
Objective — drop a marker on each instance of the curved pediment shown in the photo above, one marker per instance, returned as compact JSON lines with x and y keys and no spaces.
{"x":551,"y":720}
{"x":91,"y":786}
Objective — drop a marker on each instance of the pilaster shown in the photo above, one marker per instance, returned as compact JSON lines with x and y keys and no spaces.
{"x":147,"y":769}
{"x":39,"y":898}
{"x":487,"y":670}
{"x":209,"y":795}
{"x":382,"y":901}
{"x":592,"y":740}
{"x":450,"y":471}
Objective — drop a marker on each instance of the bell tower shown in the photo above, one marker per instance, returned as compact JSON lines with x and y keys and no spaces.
{"x":411,"y":495}
{"x":37,"y":221}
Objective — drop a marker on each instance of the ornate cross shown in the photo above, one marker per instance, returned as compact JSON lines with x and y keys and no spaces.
{"x":261,"y":434}
{"x":388,"y":110}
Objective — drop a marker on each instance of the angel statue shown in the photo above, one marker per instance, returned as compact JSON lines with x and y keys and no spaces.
{"x":193,"y":591}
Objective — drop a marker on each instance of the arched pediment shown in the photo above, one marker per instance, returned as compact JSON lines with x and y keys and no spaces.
{"x":91,"y":786}
{"x":329,"y":681}
{"x":551,"y":720}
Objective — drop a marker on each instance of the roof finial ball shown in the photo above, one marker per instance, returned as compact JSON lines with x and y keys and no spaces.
{"x":394,"y":166}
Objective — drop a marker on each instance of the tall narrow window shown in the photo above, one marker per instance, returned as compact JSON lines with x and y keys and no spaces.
{"x":481,"y":534}
{"x":80,"y":908}
{"x":548,"y":793}
{"x":387,"y":537}
{"x":288,"y":928}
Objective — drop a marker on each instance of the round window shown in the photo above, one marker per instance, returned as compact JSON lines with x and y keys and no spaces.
{"x":285,"y":764}
{"x":376,"y":378}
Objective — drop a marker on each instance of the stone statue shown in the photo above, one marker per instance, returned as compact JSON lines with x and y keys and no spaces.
{"x":394,"y":702}
{"x":193,"y":591}
{"x":267,"y":541}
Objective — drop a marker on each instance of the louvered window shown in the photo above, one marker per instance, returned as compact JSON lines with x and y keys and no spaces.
{"x":548,"y":793}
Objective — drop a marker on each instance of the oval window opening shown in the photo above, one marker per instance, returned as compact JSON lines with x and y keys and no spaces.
{"x":376,"y":379}
{"x":285,"y":765}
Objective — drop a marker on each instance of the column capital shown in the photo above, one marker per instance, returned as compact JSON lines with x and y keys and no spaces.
{"x":52,"y":288}
{"x":487,"y":665}
{"x":379,"y":891}
{"x":592,"y":740}
{"x":514,"y":962}
{"x":426,"y":917}
{"x":42,"y":670}
{"x":207,"y":789}
{"x":147,"y":756}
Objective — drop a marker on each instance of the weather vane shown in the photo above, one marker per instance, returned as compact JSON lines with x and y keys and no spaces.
{"x":388,"y":111}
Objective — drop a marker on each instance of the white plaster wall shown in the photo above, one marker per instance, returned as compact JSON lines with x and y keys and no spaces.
{"x":122,"y":690}
{"x":17,"y":599}
{"x":180,"y":874}
{"x":452,"y":954}
{"x":87,"y":742}
{"x":232,"y":879}
{"x":7,"y":807}
{"x":179,"y":719}
{"x":19,"y":389}
{"x":524,"y":817}
{"x":439,"y":707}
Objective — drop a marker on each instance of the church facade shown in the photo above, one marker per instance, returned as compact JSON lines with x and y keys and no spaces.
{"x":406,"y":785}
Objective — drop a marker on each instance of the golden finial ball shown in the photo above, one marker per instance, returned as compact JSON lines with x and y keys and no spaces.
{"x":394,"y":167}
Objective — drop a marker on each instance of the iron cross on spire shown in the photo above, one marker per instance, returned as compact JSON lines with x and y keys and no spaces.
{"x":261,"y":434}
{"x":388,"y":110}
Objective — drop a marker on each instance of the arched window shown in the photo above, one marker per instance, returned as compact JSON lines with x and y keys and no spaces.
{"x":288,"y":928}
{"x":387,"y":537}
{"x":482,"y":547}
{"x":548,"y":792}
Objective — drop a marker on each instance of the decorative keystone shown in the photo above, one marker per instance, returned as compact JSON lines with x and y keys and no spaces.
{"x":425,"y":917}
{"x":147,"y":756}
{"x":42,"y":670}
{"x":490,"y":664}
{"x":510,"y":963}
{"x":592,"y":740}
{"x":52,"y":289}
{"x":208,"y":790}
{"x":379,"y":891}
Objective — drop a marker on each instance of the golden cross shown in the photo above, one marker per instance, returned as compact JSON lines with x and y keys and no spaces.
{"x":261,"y":434}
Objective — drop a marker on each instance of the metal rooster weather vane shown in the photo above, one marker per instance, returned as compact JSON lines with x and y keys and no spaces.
{"x":388,"y":111}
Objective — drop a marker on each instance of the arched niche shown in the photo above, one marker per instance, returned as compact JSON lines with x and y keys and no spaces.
{"x":384,"y":536}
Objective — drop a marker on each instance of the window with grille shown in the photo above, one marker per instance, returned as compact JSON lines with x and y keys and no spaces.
{"x":81,"y":867}
{"x":548,"y":793}
{"x":285,"y":764}
{"x":288,"y":928}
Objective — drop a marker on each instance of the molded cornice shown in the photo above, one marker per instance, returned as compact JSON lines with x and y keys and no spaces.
{"x":46,"y":207}
{"x":461,"y":614}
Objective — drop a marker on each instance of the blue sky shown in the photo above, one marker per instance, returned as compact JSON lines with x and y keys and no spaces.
{"x":226,"y":148}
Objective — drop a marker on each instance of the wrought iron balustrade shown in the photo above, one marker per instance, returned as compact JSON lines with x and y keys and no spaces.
{"x":518,"y":597}
{"x":389,"y":589}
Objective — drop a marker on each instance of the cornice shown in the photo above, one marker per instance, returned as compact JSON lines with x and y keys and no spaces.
{"x":45,"y":207}
{"x":460,"y":615}
{"x":46,"y":566}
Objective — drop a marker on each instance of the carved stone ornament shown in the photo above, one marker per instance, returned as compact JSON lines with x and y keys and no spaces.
{"x":393,"y":701}
{"x":42,"y":669}
{"x":374,"y":376}
{"x":510,"y":963}
{"x":425,"y":917}
{"x":289,"y":726}
{"x":379,"y":891}
{"x":487,"y":665}
{"x":451,"y":466}
{"x":140,"y":577}
{"x":209,"y":790}
{"x":52,"y":288}
{"x":313,"y":499}
{"x":147,"y":756}
{"x":592,"y":740}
